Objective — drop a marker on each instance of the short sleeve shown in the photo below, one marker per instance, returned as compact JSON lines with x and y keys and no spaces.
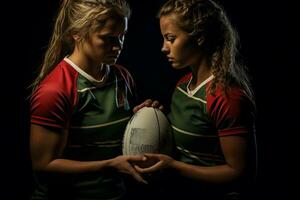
{"x":50,"y":106}
{"x":233,"y":113}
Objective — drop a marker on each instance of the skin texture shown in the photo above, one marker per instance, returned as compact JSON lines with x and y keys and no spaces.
{"x":178,"y":46}
{"x":184,"y":51}
{"x":103,"y":47}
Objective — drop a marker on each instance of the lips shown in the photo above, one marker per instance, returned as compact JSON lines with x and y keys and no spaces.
{"x":171,"y":59}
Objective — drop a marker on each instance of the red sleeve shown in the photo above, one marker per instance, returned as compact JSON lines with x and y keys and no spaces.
{"x":53,"y":101}
{"x":50,"y":107}
{"x":232,"y":114}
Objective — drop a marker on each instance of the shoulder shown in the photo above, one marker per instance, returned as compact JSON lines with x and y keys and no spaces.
{"x":61,"y":81}
{"x":184,"y":79}
{"x":62,"y":75}
{"x":233,"y":112}
{"x":55,"y":96}
{"x":233,"y":97}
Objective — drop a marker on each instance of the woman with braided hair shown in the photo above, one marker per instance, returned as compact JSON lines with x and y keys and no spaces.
{"x":212,"y":109}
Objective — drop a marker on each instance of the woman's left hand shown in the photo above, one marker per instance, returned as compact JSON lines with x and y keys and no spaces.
{"x":148,"y":103}
{"x":162,"y":161}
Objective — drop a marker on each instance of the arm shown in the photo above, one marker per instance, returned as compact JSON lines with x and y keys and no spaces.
{"x":47,"y":145}
{"x":234,"y":151}
{"x":233,"y":148}
{"x":234,"y":121}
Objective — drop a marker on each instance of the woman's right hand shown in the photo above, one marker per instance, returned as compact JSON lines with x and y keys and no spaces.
{"x":161,"y":161}
{"x":148,"y":103}
{"x":125,"y":165}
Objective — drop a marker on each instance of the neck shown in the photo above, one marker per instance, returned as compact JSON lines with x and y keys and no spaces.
{"x":200,"y":73}
{"x":96,"y":70}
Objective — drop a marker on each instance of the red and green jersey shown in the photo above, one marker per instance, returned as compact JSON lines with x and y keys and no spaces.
{"x":200,"y":118}
{"x":95,"y":113}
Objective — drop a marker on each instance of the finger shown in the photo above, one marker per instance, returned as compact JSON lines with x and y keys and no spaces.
{"x":138,"y":177}
{"x":138,"y":169}
{"x":138,"y":107}
{"x":151,"y":155}
{"x":138,"y":158}
{"x":148,"y":102}
{"x":135,"y":109}
{"x":161,"y":107}
{"x":146,"y":170}
{"x":155,"y":104}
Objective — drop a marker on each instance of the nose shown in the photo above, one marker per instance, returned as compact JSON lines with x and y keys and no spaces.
{"x":165,"y":49}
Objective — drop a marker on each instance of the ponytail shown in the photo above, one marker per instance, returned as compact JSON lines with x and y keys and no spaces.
{"x":60,"y":45}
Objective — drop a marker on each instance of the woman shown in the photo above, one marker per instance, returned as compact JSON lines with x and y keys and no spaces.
{"x":81,"y":103}
{"x":212,"y":108}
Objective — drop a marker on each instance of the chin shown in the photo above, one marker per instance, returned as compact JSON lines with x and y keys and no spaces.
{"x":177,"y":66}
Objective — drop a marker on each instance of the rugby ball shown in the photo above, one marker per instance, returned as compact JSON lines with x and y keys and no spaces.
{"x":148,"y":131}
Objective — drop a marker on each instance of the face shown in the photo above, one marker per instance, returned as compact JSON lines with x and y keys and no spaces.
{"x":180,"y":49}
{"x":105,"y":45}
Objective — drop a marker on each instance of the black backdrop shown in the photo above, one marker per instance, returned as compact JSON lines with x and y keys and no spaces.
{"x":266,"y":45}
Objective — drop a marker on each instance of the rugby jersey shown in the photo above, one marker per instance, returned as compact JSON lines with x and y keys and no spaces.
{"x":199,"y":118}
{"x":95,"y":113}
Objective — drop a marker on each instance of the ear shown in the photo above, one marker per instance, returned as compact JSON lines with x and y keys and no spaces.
{"x":76,"y":37}
{"x":200,"y":41}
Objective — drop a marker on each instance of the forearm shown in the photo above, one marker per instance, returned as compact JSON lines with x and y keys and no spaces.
{"x":72,"y":166}
{"x":212,"y":174}
{"x":234,"y":148}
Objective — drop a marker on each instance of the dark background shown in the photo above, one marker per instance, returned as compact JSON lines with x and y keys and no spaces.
{"x":267,"y":44}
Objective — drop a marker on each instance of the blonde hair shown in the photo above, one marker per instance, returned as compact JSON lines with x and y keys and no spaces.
{"x":81,"y":17}
{"x":207,"y":19}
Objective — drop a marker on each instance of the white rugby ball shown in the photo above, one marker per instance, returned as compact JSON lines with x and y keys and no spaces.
{"x":148,"y":131}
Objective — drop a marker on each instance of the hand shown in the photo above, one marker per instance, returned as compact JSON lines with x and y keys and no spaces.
{"x":148,"y":103}
{"x":161,"y":161}
{"x":124,"y":164}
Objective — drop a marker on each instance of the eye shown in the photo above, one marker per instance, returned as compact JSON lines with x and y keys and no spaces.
{"x":170,"y":38}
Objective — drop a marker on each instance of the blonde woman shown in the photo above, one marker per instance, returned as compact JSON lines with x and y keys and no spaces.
{"x":81,"y":103}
